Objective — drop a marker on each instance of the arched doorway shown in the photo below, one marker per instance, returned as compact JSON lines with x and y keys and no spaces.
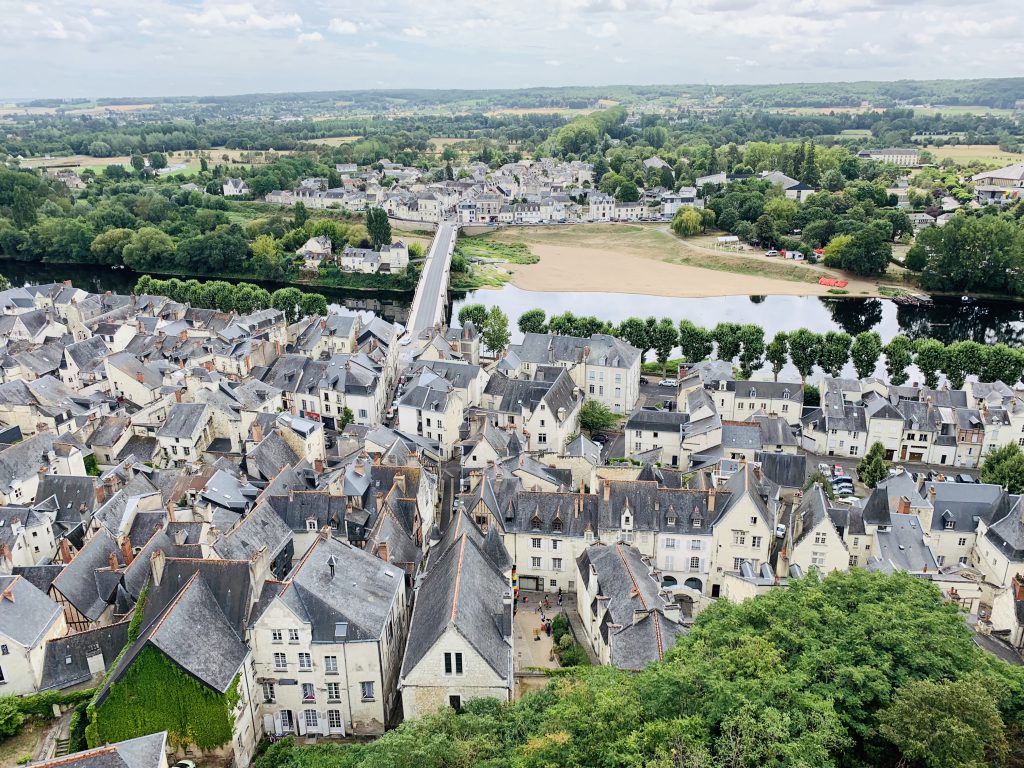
{"x":669,"y":581}
{"x":694,"y":584}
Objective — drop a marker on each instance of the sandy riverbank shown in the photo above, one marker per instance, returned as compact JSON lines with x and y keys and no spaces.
{"x":650,"y":260}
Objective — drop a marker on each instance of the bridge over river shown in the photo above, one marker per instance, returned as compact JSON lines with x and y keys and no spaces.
{"x":431,"y":298}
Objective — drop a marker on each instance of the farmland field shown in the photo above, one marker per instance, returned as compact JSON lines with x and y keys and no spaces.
{"x":975,"y":153}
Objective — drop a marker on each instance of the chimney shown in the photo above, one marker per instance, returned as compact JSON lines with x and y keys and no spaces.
{"x":209,"y":365}
{"x":65,"y":551}
{"x":170,"y":512}
{"x":318,"y":466}
{"x":157,"y":560}
{"x":112,"y":561}
{"x":671,"y":612}
{"x":126,"y":550}
{"x":140,"y":377}
{"x":257,"y":432}
{"x":177,"y":395}
{"x":382,"y":551}
{"x":180,"y":536}
{"x":358,"y":467}
{"x":903,"y":507}
{"x":757,"y":472}
{"x":606,"y":487}
{"x":94,"y":658}
{"x":639,"y":614}
{"x":931,"y":495}
{"x":712,"y":493}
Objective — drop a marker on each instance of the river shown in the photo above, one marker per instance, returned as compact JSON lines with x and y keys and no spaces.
{"x":949,"y":320}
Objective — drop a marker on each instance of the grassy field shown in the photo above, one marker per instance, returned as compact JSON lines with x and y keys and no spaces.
{"x":540,"y":111}
{"x":965,"y":110}
{"x":25,"y":743}
{"x":975,"y":153}
{"x":81,"y":162}
{"x":335,"y":141}
{"x":856,"y":132}
{"x":487,"y":248}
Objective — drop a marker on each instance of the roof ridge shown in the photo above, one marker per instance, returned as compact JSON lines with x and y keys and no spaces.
{"x":636,"y":585}
{"x":173,"y":604}
{"x":458,"y":579}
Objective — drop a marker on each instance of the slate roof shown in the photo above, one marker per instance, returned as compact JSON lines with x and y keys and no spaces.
{"x":462,"y":589}
{"x":902,"y":547}
{"x":599,"y":349}
{"x":964,"y":504}
{"x":360,"y":592}
{"x":86,"y":582}
{"x":260,"y":528}
{"x":784,"y":469}
{"x":184,"y":420}
{"x":59,"y":673}
{"x":1007,"y":534}
{"x":26,"y":613}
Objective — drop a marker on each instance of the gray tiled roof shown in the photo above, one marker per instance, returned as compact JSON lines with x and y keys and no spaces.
{"x":143,"y":752}
{"x":26,"y":613}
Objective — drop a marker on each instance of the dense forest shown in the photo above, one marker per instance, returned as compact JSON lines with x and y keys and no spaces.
{"x":853,"y":671}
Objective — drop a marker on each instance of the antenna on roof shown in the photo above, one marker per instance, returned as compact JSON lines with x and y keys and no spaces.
{"x":331,"y":563}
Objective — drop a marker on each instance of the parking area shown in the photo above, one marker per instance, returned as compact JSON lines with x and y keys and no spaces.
{"x":533,"y":646}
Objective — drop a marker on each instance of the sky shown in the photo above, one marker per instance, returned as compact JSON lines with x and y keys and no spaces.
{"x":96,"y":48}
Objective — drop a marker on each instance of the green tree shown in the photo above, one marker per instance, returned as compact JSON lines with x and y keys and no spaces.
{"x":533,"y":321}
{"x":23,"y":207}
{"x":664,"y":337}
{"x":777,"y":353}
{"x":268,"y":258}
{"x":11,"y":717}
{"x":946,"y":724}
{"x":752,"y":353}
{"x":727,"y":341}
{"x":287,"y":300}
{"x":686,"y":222}
{"x":834,"y":352}
{"x":138,"y":162}
{"x":817,"y":477}
{"x":930,"y":358}
{"x":899,"y":354}
{"x":378,"y":226}
{"x":149,"y":248}
{"x":157,"y":160}
{"x":998,"y":363}
{"x":300,"y":215}
{"x":313,"y":304}
{"x":627,"y":192}
{"x":596,"y":417}
{"x":1005,"y":466}
{"x":495,"y":333}
{"x":964,"y":358}
{"x":803,"y":351}
{"x":107,"y":247}
{"x":873,"y":468}
{"x":635,"y":332}
{"x":866,"y":349}
{"x":475,"y":313}
{"x":695,"y":342}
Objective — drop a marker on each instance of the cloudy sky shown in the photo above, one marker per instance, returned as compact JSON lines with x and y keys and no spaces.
{"x":175,"y":47}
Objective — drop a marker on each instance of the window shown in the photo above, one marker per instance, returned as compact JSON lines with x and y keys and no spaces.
{"x":268,"y":693}
{"x":853,"y":561}
{"x":542,"y":437}
{"x":739,"y":537}
{"x":4,"y":650}
{"x":455,"y":702}
{"x":853,"y":450}
{"x":818,"y":559}
{"x":670,"y":543}
{"x":293,"y":635}
{"x":280,"y":661}
{"x":535,"y":562}
{"x":694,"y":563}
{"x":963,"y":560}
{"x":187,"y":450}
{"x":367,"y":690}
{"x":331,"y":665}
{"x":696,"y":545}
{"x":941,"y":560}
{"x":753,"y":521}
{"x":696,"y":522}
{"x":310,"y":717}
{"x":535,"y":542}
{"x":334,"y":691}
{"x":736,"y":561}
{"x":556,"y":525}
{"x":819,"y":537}
{"x":308,"y":694}
{"x":311,"y":525}
{"x":755,"y":542}
{"x":962,"y":541}
{"x":334,"y":719}
{"x":556,"y":564}
{"x":453,"y":663}
{"x":305,"y":662}
{"x":556,"y":543}
{"x":286,"y":720}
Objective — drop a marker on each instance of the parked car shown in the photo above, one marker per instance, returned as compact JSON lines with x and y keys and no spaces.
{"x":838,"y":470}
{"x":780,"y":531}
{"x":644,"y":380}
{"x":772,"y":252}
{"x":825,"y":469}
{"x":184,"y":764}
{"x":668,"y":383}
{"x":965,"y":478}
{"x":600,"y":439}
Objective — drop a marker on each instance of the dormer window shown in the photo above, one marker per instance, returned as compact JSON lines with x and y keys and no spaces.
{"x":311,"y":525}
{"x":696,"y":522}
{"x":753,"y":392}
{"x":671,"y":520}
{"x":950,"y":525}
{"x":535,"y":522}
{"x":785,"y":395}
{"x":556,"y":524}
{"x":626,"y":521}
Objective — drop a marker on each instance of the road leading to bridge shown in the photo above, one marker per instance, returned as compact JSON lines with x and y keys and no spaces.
{"x":431,"y":299}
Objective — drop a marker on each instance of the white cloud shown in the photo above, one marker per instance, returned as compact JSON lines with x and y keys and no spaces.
{"x":241,"y":16}
{"x":342,"y":27}
{"x":311,"y":37}
{"x":552,"y":63}
{"x":605,"y":29}
{"x":55,"y":30}
{"x":621,"y":60}
{"x":33,"y":10}
{"x":100,"y":13}
{"x":414,"y":32}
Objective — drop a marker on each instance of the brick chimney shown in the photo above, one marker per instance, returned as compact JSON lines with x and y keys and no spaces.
{"x":257,"y":432}
{"x":903,"y":507}
{"x":177,"y":395}
{"x":65,"y":551}
{"x":606,"y":489}
{"x":318,"y":466}
{"x":126,"y":550}
{"x":712,"y":494}
{"x":157,"y":560}
{"x":382,"y":551}
{"x":112,"y":562}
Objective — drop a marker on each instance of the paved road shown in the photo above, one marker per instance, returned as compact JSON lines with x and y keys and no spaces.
{"x":429,"y":302}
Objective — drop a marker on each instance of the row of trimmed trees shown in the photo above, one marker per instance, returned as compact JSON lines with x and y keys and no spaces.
{"x":237,"y":297}
{"x":746,"y":345}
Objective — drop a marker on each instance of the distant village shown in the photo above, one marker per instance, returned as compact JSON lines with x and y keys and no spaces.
{"x":327,"y":526}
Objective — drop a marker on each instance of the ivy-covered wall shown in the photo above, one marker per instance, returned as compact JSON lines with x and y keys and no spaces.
{"x":156,"y":695}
